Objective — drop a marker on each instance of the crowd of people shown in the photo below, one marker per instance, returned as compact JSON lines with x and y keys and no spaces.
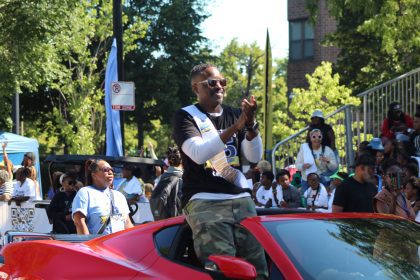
{"x":384,"y":178}
{"x":18,"y":183}
{"x":205,"y":183}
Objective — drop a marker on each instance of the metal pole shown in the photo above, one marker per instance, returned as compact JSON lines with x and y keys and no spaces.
{"x":15,"y":113}
{"x":118,"y":33}
{"x":349,"y":137}
{"x":364,"y":117}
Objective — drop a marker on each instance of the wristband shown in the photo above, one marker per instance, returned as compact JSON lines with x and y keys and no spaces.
{"x":252,"y":126}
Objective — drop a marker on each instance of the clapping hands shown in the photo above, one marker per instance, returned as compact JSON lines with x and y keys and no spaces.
{"x":249,"y":108}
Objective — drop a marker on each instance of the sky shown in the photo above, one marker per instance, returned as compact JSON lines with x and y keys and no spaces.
{"x":248,"y":20}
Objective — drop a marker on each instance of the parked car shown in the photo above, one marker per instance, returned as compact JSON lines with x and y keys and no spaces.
{"x":297,"y":246}
{"x":76,"y":163}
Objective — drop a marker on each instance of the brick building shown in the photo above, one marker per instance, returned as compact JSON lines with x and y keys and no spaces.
{"x":305,"y":50}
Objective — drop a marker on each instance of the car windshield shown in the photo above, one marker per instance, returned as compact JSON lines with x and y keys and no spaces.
{"x":350,"y":248}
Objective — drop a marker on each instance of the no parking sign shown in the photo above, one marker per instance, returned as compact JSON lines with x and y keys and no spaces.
{"x":122,"y":96}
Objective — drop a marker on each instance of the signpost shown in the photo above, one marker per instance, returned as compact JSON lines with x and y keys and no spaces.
{"x":122,"y":97}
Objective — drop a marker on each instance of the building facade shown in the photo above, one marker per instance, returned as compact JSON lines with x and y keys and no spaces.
{"x":305,"y":38}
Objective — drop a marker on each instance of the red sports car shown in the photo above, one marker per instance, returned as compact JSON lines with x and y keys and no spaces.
{"x":297,"y":246}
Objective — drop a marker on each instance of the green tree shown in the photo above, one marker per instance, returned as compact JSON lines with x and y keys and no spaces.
{"x":161,"y":64}
{"x":243,"y":65}
{"x":27,"y":54}
{"x":378,"y":39}
{"x":77,"y":56}
{"x":324,"y":92}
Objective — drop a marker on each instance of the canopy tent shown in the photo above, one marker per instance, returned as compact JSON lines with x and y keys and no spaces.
{"x":16,"y":148}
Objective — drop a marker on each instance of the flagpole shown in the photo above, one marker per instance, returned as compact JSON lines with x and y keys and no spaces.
{"x":268,"y":105}
{"x":118,"y":33}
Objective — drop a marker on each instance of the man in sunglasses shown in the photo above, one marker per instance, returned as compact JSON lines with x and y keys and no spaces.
{"x":214,"y":138}
{"x":356,"y":193}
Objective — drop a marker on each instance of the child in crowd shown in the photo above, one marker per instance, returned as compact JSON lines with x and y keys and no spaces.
{"x":265,"y":196}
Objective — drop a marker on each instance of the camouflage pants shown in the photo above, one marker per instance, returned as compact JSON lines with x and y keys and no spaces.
{"x":216,"y":231}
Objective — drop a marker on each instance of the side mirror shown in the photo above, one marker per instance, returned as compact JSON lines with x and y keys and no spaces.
{"x":231,"y":267}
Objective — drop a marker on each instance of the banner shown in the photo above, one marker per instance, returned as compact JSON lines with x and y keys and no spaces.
{"x":268,"y":106}
{"x":113,"y":126}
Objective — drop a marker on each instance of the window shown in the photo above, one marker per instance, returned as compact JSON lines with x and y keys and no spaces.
{"x":370,"y":248}
{"x":301,"y":45}
{"x":164,"y":239}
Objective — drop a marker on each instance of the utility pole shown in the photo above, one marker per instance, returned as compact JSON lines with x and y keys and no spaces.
{"x":118,"y":35}
{"x":16,"y":113}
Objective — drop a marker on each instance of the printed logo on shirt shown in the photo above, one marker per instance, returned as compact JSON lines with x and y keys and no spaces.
{"x":103,"y":219}
{"x":231,"y":151}
{"x":204,"y":127}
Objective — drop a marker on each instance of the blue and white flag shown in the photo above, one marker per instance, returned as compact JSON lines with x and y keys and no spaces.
{"x":113,"y":126}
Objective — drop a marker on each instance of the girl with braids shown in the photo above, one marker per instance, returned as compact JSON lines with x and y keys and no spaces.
{"x":165,"y":200}
{"x":97,"y":208}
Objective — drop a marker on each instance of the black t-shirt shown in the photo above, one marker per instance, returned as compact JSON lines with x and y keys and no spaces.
{"x":354,"y":196}
{"x":59,"y":208}
{"x":196,"y":177}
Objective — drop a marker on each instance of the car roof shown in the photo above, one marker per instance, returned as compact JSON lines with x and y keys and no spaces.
{"x":80,"y":159}
{"x":317,"y":215}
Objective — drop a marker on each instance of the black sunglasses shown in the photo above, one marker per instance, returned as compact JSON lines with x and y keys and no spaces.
{"x":72,"y":182}
{"x":315,"y":136}
{"x":107,"y":169}
{"x":213,"y":82}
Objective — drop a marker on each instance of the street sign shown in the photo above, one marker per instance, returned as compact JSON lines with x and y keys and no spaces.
{"x":122,"y":96}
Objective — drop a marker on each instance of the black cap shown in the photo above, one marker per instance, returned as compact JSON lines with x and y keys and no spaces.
{"x":129,"y":167}
{"x":365,"y":159}
{"x":395,"y":106}
{"x":30,"y":155}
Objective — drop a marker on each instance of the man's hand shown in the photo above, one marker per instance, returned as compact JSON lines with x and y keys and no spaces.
{"x":306,"y":166}
{"x":250,"y":109}
{"x":240,"y":123}
{"x":417,"y":206}
{"x":284,"y":204}
{"x":324,"y":159}
{"x":269,"y":203}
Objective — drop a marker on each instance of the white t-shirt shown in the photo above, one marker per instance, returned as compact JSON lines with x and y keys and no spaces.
{"x":321,"y":197}
{"x":264,"y":195}
{"x":95,"y":205}
{"x":25,"y":189}
{"x":130,"y":188}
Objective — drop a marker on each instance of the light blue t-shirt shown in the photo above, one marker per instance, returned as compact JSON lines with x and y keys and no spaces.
{"x":95,"y":205}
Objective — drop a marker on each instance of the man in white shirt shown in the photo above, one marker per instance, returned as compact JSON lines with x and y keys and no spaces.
{"x":216,"y":196}
{"x":24,"y":188}
{"x":130,"y":187}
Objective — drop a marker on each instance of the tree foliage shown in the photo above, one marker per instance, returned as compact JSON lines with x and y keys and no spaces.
{"x":161,"y":63}
{"x":378,"y":39}
{"x":27,"y":54}
{"x":60,"y":59}
{"x":324,"y":92}
{"x":243,"y":65}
